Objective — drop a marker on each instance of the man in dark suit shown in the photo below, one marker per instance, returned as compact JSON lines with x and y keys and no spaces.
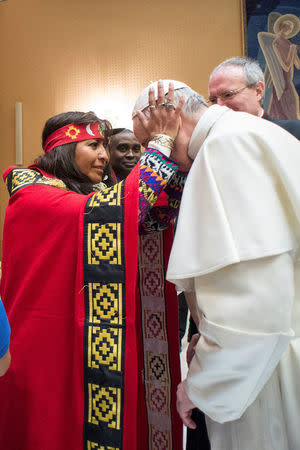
{"x":238,"y":83}
{"x":292,"y":126}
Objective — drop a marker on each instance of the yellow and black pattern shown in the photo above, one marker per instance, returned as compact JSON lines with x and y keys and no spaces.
{"x":105,"y":347}
{"x":96,"y":446}
{"x":104,"y":405}
{"x":104,"y":330}
{"x":105,"y":302}
{"x":110,"y":196}
{"x":104,"y":243}
{"x":19,"y":178}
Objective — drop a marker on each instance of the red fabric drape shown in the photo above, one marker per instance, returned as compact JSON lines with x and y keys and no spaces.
{"x":42,"y":288}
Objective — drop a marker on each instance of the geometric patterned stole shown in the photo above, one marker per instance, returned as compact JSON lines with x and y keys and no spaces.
{"x":104,"y":327}
{"x":160,"y":339}
{"x":19,"y":178}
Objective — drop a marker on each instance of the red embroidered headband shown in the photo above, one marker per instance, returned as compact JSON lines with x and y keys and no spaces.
{"x":73,"y":133}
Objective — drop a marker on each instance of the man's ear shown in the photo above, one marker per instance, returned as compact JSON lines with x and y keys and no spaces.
{"x":260,"y":89}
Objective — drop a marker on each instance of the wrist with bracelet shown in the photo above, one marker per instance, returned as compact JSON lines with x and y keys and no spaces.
{"x":163,"y":143}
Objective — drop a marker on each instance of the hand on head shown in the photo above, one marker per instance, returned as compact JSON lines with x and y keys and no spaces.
{"x":164,"y":115}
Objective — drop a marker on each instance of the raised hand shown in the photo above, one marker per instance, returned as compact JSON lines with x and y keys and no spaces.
{"x":164,"y":115}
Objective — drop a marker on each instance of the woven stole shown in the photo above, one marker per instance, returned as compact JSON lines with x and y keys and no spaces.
{"x":157,"y":379}
{"x":104,"y":328}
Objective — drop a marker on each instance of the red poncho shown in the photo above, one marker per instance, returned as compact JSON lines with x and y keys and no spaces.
{"x":92,"y":367}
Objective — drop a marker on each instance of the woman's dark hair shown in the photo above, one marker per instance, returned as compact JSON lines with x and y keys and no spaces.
{"x":60,"y":161}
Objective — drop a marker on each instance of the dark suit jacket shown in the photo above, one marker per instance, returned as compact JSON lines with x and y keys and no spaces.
{"x":292,"y":126}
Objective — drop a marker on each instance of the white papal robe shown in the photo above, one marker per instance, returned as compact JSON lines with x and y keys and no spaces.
{"x":236,"y":254}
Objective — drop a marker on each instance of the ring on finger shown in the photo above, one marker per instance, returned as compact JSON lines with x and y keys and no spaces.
{"x":170,"y":106}
{"x":162,"y":104}
{"x":151,"y":106}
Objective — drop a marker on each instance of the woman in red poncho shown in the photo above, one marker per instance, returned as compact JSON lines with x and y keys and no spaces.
{"x":83,"y":284}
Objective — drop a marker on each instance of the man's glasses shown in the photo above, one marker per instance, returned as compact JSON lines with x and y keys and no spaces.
{"x":226,"y":95}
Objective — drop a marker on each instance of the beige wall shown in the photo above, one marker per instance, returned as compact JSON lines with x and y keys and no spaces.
{"x":60,"y":55}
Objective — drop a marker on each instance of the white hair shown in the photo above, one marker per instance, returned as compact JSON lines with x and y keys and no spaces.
{"x":193,"y":100}
{"x":251,"y":69}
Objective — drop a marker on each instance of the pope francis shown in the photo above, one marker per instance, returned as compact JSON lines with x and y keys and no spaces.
{"x":236,"y":256}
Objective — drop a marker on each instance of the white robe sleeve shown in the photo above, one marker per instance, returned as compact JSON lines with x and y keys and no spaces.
{"x":245,"y":320}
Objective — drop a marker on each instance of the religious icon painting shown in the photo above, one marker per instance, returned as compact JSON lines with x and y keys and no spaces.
{"x":272,"y":36}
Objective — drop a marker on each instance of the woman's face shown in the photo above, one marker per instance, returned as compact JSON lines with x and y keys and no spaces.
{"x":91,"y":157}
